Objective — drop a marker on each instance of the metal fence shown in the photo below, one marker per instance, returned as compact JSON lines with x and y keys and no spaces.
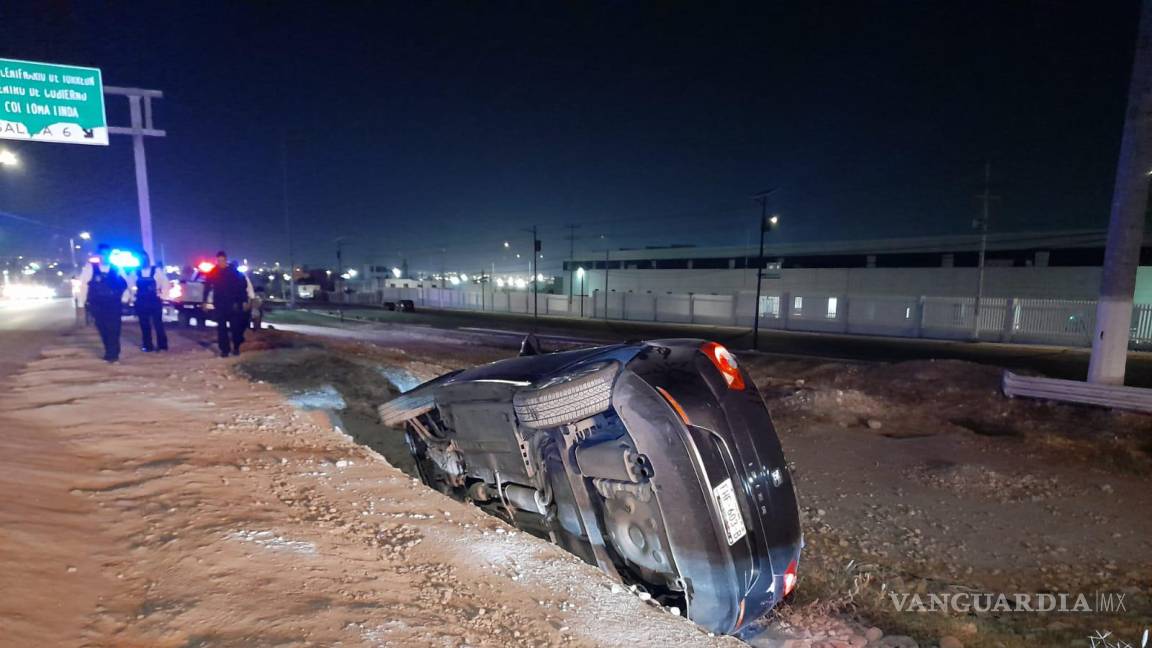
{"x":1063,"y":322}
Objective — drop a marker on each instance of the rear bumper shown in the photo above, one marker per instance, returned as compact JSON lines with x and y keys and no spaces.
{"x":730,"y":578}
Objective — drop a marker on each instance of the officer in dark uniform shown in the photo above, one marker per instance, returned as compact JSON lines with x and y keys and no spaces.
{"x":228,"y":299}
{"x":151,"y":285}
{"x":102,"y":290}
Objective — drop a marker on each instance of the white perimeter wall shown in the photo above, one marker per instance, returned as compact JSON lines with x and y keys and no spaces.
{"x":1055,"y":283}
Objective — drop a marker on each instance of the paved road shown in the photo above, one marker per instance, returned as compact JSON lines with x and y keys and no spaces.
{"x":1057,"y":362}
{"x":27,"y":326}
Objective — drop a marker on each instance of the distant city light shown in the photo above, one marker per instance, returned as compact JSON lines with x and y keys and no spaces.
{"x":351,"y":273}
{"x":287,"y":277}
{"x":540,"y":277}
{"x":243,"y":268}
{"x":396,"y":272}
{"x":774,"y":220}
{"x":8,"y":158}
{"x":172,"y":269}
{"x":28,"y":291}
{"x":517,"y":255}
{"x":463,"y":277}
{"x":520,"y":283}
{"x":580,"y":272}
{"x":506,"y":244}
{"x":455,"y":281}
{"x":499,"y":283}
{"x":86,"y":236}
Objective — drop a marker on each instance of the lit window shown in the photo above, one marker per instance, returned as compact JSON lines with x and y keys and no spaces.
{"x":769,"y":306}
{"x":832,"y":303}
{"x":798,"y":303}
{"x":908,"y":313}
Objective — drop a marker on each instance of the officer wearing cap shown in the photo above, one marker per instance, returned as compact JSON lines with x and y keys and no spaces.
{"x":102,"y":290}
{"x":230,"y":295}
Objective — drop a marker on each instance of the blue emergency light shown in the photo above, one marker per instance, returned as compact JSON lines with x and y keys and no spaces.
{"x":123,"y":259}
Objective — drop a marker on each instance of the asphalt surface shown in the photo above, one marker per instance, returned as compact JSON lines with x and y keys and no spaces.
{"x":1056,"y":362}
{"x":27,"y":326}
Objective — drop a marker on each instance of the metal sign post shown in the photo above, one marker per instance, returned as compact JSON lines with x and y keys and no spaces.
{"x":140,"y":114}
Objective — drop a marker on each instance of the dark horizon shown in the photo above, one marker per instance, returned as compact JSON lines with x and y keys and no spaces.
{"x":436,"y":131}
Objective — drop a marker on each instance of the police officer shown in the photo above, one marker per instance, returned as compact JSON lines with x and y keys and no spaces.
{"x":102,"y":290}
{"x":229,"y":298}
{"x":150,"y":286}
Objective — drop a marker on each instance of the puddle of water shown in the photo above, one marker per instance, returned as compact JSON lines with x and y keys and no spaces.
{"x":401,"y":378}
{"x":325,"y":397}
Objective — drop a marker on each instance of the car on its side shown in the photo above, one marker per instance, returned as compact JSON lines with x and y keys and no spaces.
{"x":656,"y":461}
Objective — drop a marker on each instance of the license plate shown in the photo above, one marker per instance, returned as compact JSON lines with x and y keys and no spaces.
{"x":729,"y":511}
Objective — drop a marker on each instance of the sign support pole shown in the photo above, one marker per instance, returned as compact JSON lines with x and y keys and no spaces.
{"x":140,"y":114}
{"x":142,"y":195}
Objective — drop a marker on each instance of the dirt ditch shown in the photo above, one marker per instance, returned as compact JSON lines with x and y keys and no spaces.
{"x":347,"y":388}
{"x":914,"y":478}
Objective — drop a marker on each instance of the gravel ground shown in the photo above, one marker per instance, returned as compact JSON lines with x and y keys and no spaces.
{"x":167,"y":501}
{"x":214,"y":512}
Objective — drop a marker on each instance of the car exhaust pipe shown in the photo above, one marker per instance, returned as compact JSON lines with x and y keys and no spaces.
{"x":611,"y":460}
{"x":528,"y":499}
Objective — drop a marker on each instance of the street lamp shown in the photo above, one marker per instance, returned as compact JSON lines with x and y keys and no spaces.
{"x":72,"y":247}
{"x":766,"y":224}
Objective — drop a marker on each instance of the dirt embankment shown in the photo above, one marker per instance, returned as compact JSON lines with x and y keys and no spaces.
{"x":921,"y":477}
{"x":166,"y":501}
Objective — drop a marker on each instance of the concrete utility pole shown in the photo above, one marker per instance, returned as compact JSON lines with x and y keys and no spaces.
{"x":987,"y":199}
{"x":140,"y":114}
{"x":1126,"y":225}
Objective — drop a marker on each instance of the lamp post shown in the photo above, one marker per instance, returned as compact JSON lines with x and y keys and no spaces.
{"x":85,"y":236}
{"x":765,"y":225}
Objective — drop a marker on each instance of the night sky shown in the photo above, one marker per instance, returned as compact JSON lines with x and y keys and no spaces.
{"x":435,"y":131}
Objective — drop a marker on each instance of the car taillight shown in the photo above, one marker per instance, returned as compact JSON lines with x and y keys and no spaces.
{"x":790,"y":578}
{"x":205,"y":266}
{"x":725,"y":362}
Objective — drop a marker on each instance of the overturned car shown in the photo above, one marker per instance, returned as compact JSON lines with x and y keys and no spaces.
{"x":656,"y":461}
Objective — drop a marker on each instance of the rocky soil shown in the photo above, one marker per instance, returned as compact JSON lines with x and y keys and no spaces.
{"x":185,"y":500}
{"x":169,"y":501}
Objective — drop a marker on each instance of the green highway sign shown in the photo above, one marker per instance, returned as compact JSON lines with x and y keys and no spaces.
{"x":44,"y":102}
